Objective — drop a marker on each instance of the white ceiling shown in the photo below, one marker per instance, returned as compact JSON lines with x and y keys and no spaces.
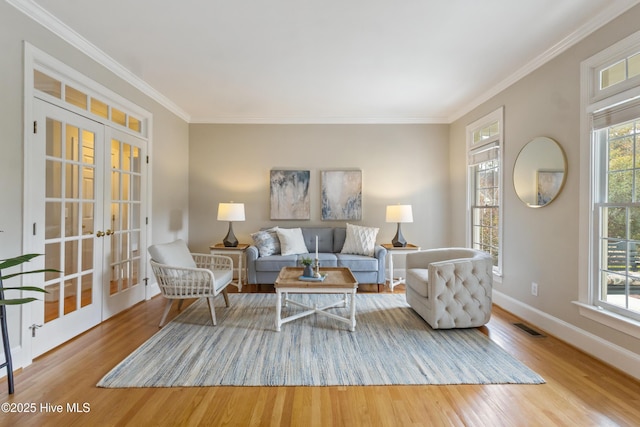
{"x":323,"y":61}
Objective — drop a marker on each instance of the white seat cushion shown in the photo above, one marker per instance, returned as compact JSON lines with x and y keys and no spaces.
{"x":222,"y":278}
{"x":418,"y":280}
{"x":175,"y":254}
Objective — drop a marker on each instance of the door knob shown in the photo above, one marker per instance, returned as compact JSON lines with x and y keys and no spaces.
{"x":109,"y":232}
{"x":100,"y":233}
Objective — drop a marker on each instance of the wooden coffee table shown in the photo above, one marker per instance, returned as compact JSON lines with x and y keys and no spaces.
{"x":339,"y":280}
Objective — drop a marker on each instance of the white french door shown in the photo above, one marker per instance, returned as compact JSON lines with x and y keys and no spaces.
{"x":125,"y":234}
{"x":86,"y":193}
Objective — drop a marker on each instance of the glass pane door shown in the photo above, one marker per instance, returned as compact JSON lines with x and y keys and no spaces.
{"x":66,"y":156}
{"x":124,"y":257}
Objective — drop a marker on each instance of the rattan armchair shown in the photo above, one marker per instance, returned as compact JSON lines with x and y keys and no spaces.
{"x":182,"y":275}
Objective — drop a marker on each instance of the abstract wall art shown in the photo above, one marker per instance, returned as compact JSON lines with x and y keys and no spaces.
{"x":342,"y":195}
{"x":290,"y":194}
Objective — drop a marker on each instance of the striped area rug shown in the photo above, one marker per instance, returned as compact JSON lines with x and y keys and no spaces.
{"x":391,"y":345}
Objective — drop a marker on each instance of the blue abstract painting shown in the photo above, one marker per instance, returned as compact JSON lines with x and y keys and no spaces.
{"x":342,"y":195}
{"x":290,"y":194}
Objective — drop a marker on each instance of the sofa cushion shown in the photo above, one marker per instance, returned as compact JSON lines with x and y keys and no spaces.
{"x":325,"y":239}
{"x":360,"y":240}
{"x":291,"y":241}
{"x":339,"y":236}
{"x":417,"y":279}
{"x":175,"y":254}
{"x":267,"y":241}
{"x":325,"y":259}
{"x":276,"y":262}
{"x":357,"y":262}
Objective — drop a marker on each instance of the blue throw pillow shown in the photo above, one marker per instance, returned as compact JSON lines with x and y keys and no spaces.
{"x":267,"y":242}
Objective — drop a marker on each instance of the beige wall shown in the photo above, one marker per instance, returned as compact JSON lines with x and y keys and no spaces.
{"x":541,"y":245}
{"x":169,"y":149}
{"x":405,"y":164}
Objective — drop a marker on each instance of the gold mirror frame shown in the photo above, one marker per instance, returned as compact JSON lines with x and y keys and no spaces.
{"x":539,"y":172}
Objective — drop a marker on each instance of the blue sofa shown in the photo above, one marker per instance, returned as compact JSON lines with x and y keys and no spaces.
{"x":366,"y":269}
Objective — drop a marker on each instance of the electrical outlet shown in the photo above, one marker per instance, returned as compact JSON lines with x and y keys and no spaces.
{"x":534,"y":289}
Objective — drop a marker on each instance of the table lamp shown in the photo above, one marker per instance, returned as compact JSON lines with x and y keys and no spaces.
{"x":230,"y":212}
{"x":399,"y":214}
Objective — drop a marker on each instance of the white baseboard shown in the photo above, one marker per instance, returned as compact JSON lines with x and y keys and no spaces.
{"x":609,"y":353}
{"x":16,"y":360}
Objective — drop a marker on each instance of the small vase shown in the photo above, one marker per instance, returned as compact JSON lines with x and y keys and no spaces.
{"x":308,"y":271}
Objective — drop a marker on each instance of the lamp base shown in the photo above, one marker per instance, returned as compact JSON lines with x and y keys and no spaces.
{"x":230,"y":240}
{"x":398,"y":240}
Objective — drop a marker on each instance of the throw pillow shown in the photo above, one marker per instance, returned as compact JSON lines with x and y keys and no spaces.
{"x":360,"y":240}
{"x":267,"y":242}
{"x":291,"y":241}
{"x":175,"y":253}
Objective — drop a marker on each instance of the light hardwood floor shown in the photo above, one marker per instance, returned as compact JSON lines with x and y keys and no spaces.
{"x":579,"y":390}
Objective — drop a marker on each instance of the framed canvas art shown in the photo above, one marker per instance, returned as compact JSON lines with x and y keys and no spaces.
{"x":341,"y":195}
{"x":290,"y":194}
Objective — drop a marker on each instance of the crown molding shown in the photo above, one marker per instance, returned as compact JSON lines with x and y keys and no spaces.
{"x":53,"y":24}
{"x":616,"y":9}
{"x":320,"y":120}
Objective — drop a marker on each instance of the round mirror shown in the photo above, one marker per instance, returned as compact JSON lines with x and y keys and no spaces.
{"x":539,"y":172}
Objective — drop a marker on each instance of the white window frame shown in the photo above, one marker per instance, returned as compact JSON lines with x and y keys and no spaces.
{"x":593,"y":100}
{"x":497,"y":139}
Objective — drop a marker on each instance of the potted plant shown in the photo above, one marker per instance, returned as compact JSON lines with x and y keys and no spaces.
{"x":8,"y":263}
{"x":308,"y":266}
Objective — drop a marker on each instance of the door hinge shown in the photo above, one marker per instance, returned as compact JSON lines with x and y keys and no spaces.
{"x":146,"y":281}
{"x":147,"y":159}
{"x":34,"y":228}
{"x":146,"y":221}
{"x":35,"y":126}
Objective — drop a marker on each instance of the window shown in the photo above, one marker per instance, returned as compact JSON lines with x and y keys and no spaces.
{"x":484,"y":177}
{"x":617,"y":216}
{"x":620,"y":71}
{"x":610,"y":258}
{"x":51,"y":86}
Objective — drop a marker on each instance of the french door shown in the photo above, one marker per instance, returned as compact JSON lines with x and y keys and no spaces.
{"x":86,"y":193}
{"x":125,"y":235}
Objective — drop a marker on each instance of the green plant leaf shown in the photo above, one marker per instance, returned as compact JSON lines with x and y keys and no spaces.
{"x":11,"y":262}
{"x":45,"y":270}
{"x":24,"y":288}
{"x":15,"y":261}
{"x":16,"y":301}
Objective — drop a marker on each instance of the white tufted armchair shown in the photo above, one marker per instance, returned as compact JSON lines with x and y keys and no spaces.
{"x":450,"y":288}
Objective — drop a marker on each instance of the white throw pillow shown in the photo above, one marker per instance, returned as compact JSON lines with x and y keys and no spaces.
{"x":291,"y":241}
{"x":175,"y":254}
{"x":360,"y":240}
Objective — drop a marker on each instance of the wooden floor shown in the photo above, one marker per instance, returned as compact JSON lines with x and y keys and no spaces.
{"x":579,"y":390}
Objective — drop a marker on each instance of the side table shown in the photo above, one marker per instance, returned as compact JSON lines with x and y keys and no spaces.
{"x":240,"y":252}
{"x":393,"y":250}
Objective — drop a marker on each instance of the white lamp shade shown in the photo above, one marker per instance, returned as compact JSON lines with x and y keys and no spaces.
{"x":399,"y":213}
{"x":231,"y":211}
